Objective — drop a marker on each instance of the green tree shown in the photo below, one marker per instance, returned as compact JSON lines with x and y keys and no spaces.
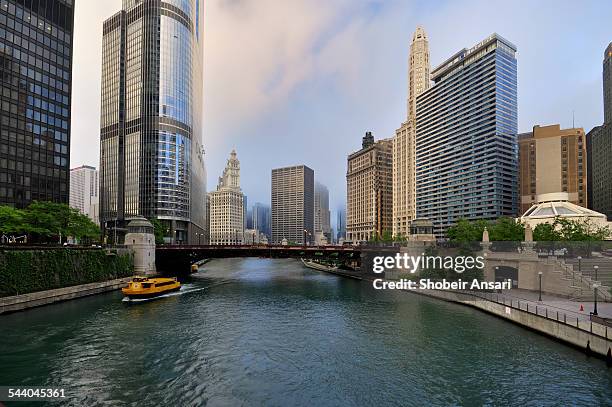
{"x":400,"y":238}
{"x":159,"y":230}
{"x":507,"y":230}
{"x":564,"y":229}
{"x":82,"y":228}
{"x":12,"y":221}
{"x":546,"y":232}
{"x":387,"y":237}
{"x":467,"y":231}
{"x":47,"y":220}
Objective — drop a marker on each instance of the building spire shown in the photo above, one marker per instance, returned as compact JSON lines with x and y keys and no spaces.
{"x":418,"y":69}
{"x":230,"y":179}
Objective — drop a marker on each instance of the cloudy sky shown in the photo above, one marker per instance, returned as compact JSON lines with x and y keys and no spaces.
{"x":300,"y":81}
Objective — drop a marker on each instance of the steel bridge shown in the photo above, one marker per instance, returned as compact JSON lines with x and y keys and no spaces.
{"x":179,"y":258}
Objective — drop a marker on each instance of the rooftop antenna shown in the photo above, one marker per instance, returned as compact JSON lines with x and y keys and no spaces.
{"x":573,"y":120}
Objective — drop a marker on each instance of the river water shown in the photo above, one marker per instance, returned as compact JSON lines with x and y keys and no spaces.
{"x":271,"y":332}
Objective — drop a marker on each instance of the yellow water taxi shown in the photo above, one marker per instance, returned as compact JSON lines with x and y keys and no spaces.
{"x":144,"y":287}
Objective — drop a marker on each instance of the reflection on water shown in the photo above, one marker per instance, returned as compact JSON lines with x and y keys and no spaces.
{"x":271,"y":332}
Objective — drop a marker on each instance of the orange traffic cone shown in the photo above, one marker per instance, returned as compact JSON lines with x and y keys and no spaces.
{"x":581,"y":307}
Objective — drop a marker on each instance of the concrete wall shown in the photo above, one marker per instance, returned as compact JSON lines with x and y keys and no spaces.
{"x":599,"y":337}
{"x":25,"y":301}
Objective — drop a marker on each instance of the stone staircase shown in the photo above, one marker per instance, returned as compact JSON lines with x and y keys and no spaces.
{"x":584,"y":272}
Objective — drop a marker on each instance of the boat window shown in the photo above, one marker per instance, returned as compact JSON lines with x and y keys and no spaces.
{"x":146,"y":285}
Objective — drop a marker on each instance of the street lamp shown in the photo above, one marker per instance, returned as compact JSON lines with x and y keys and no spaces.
{"x":596,"y":268}
{"x":595,"y":287}
{"x":540,"y":277}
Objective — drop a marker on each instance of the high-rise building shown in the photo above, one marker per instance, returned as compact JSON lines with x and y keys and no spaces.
{"x":261,"y":218}
{"x":369,"y":184}
{"x":466,"y":137}
{"x":418,"y":69}
{"x":600,"y":146}
{"x":151,"y":153}
{"x":552,"y":160}
{"x":227,"y":206}
{"x":404,"y":148}
{"x":245,"y":210}
{"x":35,"y":94}
{"x":322,"y":224}
{"x":340,"y":224}
{"x":207,"y":221}
{"x":84,"y":190}
{"x":607,"y":84}
{"x":292,"y":205}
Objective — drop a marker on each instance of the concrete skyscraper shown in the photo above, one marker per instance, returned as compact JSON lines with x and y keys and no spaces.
{"x":404,"y":147}
{"x":552,"y":160}
{"x":151,"y":152}
{"x":227,"y":206}
{"x":418,"y":69}
{"x":466,"y":137}
{"x":600,"y":148}
{"x":36,"y":42}
{"x":84,"y":189}
{"x":292,"y":205}
{"x":369,"y":185}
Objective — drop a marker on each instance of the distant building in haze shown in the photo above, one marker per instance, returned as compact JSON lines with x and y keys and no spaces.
{"x":552,"y":160}
{"x":84,"y":189}
{"x":369,"y":184}
{"x":466,"y":137}
{"x":292,"y":209}
{"x":227,"y":206}
{"x":340,"y":224}
{"x":261,"y":218}
{"x":36,"y":43}
{"x":322,"y":225}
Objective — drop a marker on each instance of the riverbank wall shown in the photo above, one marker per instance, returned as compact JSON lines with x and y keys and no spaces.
{"x":43,"y":271}
{"x":24,"y":301}
{"x":593,"y":338}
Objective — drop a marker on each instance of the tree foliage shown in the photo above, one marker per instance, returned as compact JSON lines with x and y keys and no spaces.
{"x":159,"y":230}
{"x":563,"y":229}
{"x":47,"y":222}
{"x":465,"y":231}
{"x":507,"y":229}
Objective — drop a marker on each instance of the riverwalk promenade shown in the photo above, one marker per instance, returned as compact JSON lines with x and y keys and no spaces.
{"x":554,"y":304}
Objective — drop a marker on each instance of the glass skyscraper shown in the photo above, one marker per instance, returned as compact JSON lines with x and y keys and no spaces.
{"x":466,"y":146}
{"x":151,"y":158}
{"x":35,"y":90}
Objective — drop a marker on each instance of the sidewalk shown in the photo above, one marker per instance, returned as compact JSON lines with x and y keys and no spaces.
{"x":558,"y":304}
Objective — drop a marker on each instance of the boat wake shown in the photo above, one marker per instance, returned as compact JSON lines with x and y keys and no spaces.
{"x":185,"y":289}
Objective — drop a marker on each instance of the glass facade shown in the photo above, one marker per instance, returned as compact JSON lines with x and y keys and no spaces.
{"x":151,"y":158}
{"x":466,"y":147}
{"x":35,"y":89}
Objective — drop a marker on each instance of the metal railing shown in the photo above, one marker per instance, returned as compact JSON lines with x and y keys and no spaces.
{"x":555,"y":314}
